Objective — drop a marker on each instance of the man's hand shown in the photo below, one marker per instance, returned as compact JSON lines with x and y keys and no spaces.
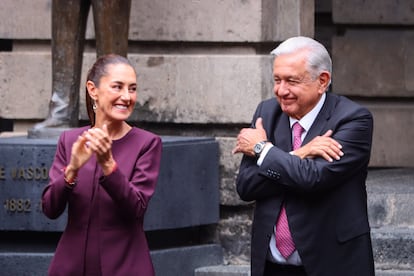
{"x":248,"y":137}
{"x":323,"y":146}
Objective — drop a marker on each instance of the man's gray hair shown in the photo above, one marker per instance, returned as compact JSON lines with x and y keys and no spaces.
{"x":318,"y":58}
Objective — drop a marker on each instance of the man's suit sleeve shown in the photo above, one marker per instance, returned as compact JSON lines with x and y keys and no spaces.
{"x":353,"y":131}
{"x":352,"y":126}
{"x":250,"y":184}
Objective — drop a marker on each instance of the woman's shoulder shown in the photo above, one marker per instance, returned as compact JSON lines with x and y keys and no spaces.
{"x":139,"y":136}
{"x":137,"y":140}
{"x":73,"y":133}
{"x":136,"y":131}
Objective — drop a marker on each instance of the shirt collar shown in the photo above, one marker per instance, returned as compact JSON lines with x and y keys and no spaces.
{"x":307,"y":120}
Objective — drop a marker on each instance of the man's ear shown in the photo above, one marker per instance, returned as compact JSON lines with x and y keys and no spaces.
{"x":90,"y":86}
{"x":324,"y":80}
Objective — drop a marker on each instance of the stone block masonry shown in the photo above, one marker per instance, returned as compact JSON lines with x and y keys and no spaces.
{"x":373,"y":62}
{"x":379,"y":12}
{"x":203,"y":66}
{"x":178,"y":20}
{"x":199,"y":89}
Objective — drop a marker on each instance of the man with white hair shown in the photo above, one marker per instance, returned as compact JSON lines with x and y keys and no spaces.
{"x":305,"y":161}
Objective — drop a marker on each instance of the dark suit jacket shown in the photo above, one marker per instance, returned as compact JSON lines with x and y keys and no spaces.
{"x":105,"y":213}
{"x":326,"y":203}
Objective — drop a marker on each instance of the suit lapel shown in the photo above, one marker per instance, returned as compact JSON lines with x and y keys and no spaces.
{"x":277,"y":126}
{"x":319,"y":126}
{"x":283,"y":134}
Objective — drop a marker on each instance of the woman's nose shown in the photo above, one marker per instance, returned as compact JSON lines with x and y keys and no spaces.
{"x":125,"y":94}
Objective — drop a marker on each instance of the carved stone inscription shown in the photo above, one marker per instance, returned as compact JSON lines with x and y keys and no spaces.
{"x":22,"y":204}
{"x":24,"y":171}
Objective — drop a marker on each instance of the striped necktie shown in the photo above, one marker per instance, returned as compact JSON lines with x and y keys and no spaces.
{"x":284,"y":241}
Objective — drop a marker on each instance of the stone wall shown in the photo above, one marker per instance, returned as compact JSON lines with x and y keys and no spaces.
{"x":203,"y":66}
{"x":373,"y":58}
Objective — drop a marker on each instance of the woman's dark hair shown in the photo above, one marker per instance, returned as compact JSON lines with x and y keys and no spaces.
{"x":97,"y":71}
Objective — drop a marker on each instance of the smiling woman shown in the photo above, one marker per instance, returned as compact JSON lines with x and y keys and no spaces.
{"x":111,"y":79}
{"x":302,"y":175}
{"x":104,"y":180}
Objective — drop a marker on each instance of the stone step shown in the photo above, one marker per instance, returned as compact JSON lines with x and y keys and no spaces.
{"x":244,"y":270}
{"x":178,"y":261}
{"x":394,"y":273}
{"x":223,"y":270}
{"x":393,"y":248}
{"x":390,"y":194}
{"x":393,"y":253}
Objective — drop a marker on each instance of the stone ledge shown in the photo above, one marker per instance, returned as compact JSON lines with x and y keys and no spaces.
{"x":393,"y":272}
{"x":180,"y":261}
{"x":390,"y":194}
{"x":244,"y":270}
{"x":393,"y":248}
{"x":223,"y":270}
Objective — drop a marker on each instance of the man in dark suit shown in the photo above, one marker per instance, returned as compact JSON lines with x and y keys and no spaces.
{"x":310,"y":213}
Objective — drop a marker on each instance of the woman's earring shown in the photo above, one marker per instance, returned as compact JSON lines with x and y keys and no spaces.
{"x":94,"y":107}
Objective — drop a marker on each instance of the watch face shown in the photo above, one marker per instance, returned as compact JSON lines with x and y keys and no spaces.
{"x":258,"y":148}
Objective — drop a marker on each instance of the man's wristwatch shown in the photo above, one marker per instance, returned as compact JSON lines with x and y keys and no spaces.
{"x":258,"y":148}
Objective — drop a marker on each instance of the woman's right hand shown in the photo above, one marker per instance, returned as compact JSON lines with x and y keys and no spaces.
{"x":80,"y":154}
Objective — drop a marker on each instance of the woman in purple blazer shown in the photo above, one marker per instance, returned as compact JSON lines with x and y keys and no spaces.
{"x":106,"y":175}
